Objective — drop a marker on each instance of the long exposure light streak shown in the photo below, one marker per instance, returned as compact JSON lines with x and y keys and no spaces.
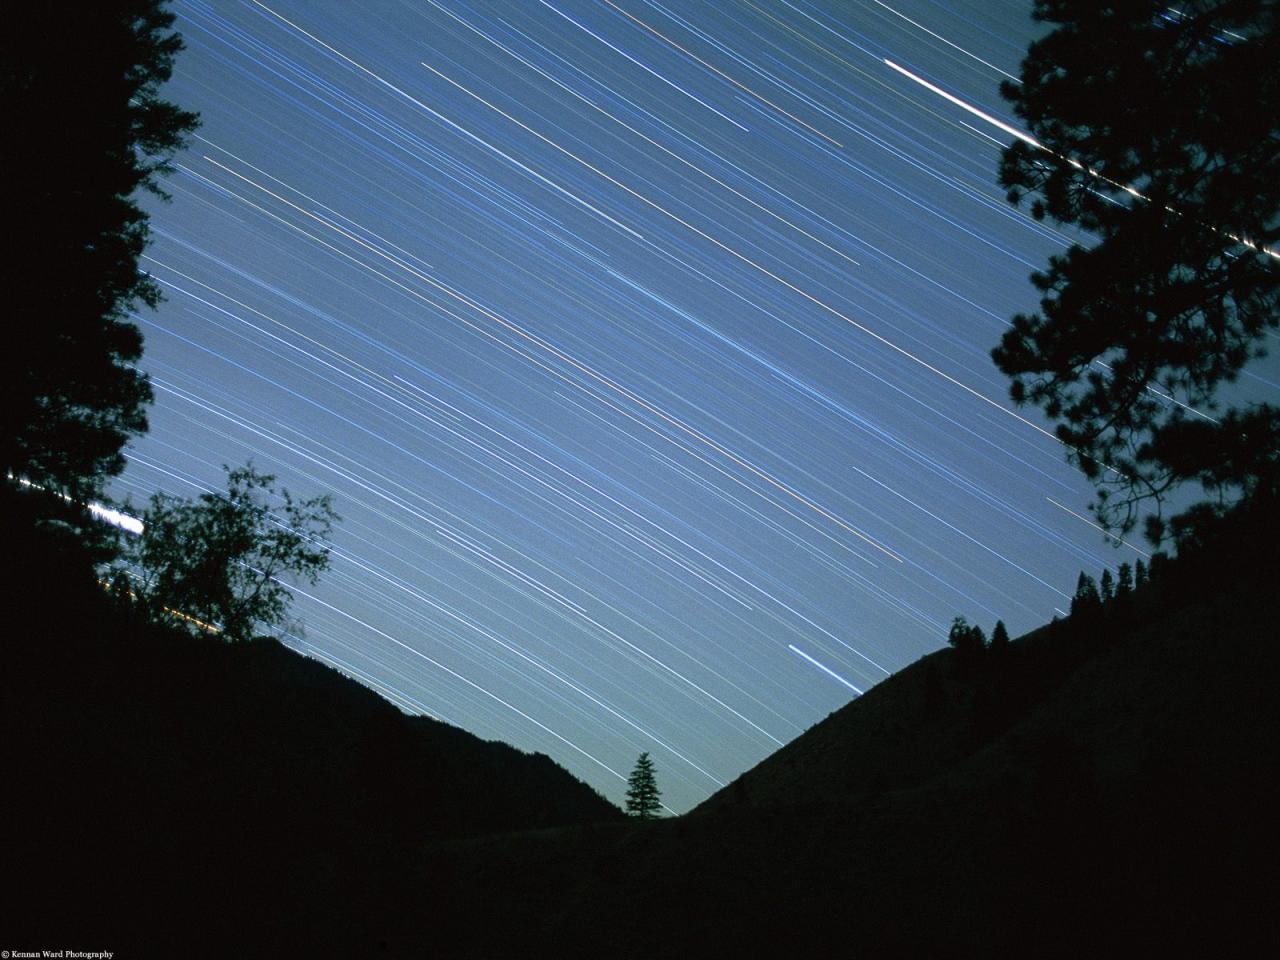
{"x":981,"y":114}
{"x":755,"y":265}
{"x":720,"y":73}
{"x":825,"y":669}
{"x":1099,"y":528}
{"x":644,"y":67}
{"x":593,"y":374}
{"x":1027,"y":138}
{"x":942,"y":39}
{"x":655,"y":143}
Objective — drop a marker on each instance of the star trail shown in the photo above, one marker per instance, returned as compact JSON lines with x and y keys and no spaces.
{"x":642,"y":345}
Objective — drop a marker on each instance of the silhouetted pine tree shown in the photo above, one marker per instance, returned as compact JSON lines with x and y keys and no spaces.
{"x":642,"y":790}
{"x":999,"y":638}
{"x":85,"y":130}
{"x":1139,"y":575}
{"x":1107,"y":587}
{"x":1124,"y":583}
{"x":1086,"y":599}
{"x":1155,"y":130}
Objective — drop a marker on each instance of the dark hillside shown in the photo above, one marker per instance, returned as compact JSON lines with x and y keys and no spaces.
{"x":1131,"y":668}
{"x":1108,"y":790}
{"x":902,"y":731}
{"x":154,"y":779}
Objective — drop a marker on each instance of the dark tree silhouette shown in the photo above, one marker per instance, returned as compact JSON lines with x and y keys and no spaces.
{"x":1107,"y":587}
{"x":978,"y":639}
{"x":1159,"y":567}
{"x":642,"y":790}
{"x":84,"y":131}
{"x":1157,"y":130}
{"x":1139,"y":575}
{"x":215,"y":562}
{"x":999,"y":638}
{"x":1086,"y":599}
{"x":1124,"y":582}
{"x":968,"y":640}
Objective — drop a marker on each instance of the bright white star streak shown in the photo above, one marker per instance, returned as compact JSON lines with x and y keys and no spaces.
{"x":825,"y":669}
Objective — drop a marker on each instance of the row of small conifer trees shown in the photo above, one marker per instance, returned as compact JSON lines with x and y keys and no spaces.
{"x":1090,"y":596}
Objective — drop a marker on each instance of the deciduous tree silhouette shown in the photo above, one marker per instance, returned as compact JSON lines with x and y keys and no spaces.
{"x":1157,"y":130}
{"x":216,"y":561}
{"x":642,"y":790}
{"x":85,"y":129}
{"x":969,"y":640}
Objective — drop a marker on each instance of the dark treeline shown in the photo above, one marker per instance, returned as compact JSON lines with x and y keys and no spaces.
{"x":1005,"y":677}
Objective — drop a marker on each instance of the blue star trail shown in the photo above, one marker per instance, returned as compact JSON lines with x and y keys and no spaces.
{"x":643,"y":347}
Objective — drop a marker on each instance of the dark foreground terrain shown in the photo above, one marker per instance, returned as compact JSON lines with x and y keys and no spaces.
{"x":1108,"y":787}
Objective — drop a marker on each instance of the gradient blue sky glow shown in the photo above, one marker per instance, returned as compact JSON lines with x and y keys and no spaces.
{"x":642,"y":345}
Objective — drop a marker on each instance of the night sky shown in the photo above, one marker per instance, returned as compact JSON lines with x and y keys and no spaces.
{"x":643,"y":347}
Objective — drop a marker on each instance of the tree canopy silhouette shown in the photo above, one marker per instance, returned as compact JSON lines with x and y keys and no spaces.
{"x":1087,"y":599}
{"x":1124,"y":582}
{"x":999,"y":638}
{"x":216,"y":561}
{"x":85,"y":129}
{"x":968,"y":640}
{"x":1157,"y":130}
{"x":642,"y":790}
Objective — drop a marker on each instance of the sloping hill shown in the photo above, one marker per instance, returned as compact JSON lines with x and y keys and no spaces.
{"x":1181,"y":664}
{"x":902,"y":731}
{"x":1109,"y":789}
{"x":1106,"y":789}
{"x":155,"y":778}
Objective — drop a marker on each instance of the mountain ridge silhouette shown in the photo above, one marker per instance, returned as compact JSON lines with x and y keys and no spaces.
{"x":1107,"y":785}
